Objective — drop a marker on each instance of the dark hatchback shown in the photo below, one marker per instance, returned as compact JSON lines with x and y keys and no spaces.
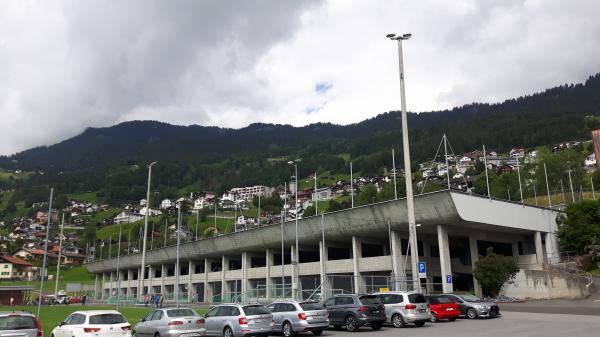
{"x":354,"y":311}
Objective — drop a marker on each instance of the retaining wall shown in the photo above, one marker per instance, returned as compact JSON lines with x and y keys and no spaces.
{"x":541,"y":284}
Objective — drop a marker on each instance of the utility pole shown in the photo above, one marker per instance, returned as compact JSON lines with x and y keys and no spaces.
{"x":447,"y":164}
{"x":394,"y":173}
{"x":519,"y":176}
{"x":351,"y":186}
{"x":282,"y":258}
{"x":197,"y":222}
{"x":407,"y":169}
{"x":571,"y":184}
{"x":45,"y":252}
{"x":118,"y":261}
{"x":547,"y":187}
{"x":60,"y":239}
{"x":145,"y":235}
{"x":487,"y":178}
{"x":316,"y":196}
{"x":178,"y":268}
{"x":258,"y":216}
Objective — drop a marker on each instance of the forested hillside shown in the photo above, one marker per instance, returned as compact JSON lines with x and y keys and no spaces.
{"x":112,"y":160}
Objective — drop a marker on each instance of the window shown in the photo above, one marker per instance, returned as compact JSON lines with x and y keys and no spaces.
{"x":370,"y":299}
{"x":17,"y":322}
{"x":344,"y":300}
{"x":181,"y":313}
{"x":75,"y":319}
{"x":330,"y":302}
{"x":107,"y":319}
{"x":417,"y":298}
{"x":252,"y":310}
{"x":311,"y":306}
{"x":438,"y":300}
{"x":226,"y":311}
{"x":391,"y":298}
{"x":212,"y":312}
{"x":271,"y":307}
{"x":149,"y":316}
{"x":157,"y":316}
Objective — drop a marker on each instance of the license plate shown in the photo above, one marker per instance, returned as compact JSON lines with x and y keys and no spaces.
{"x":258,"y":321}
{"x":449,"y":309}
{"x":190,"y":335}
{"x":422,"y":310}
{"x":375,"y":311}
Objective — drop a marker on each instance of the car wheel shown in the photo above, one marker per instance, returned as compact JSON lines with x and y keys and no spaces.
{"x":376,"y":326}
{"x":471,"y":313}
{"x":433,"y":318}
{"x":351,"y":323}
{"x":157,"y":335}
{"x":420,"y":324}
{"x":317,"y":332}
{"x":287,"y":329}
{"x":227,"y":332}
{"x":398,"y":321}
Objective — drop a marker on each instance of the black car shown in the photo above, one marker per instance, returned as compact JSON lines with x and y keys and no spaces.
{"x":354,"y":311}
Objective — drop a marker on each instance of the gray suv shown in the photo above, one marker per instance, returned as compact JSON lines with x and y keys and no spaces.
{"x":472,"y":306}
{"x":170,"y":322}
{"x":291,"y":317}
{"x":354,"y":311}
{"x":229,"y":320}
{"x":403,"y":308}
{"x":19,"y":323}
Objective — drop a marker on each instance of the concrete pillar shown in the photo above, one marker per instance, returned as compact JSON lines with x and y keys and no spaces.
{"x":446,"y":267}
{"x":515,"y":251}
{"x":207,"y":293}
{"x":323,"y":267}
{"x":191,"y":267}
{"x":163,"y":272}
{"x":474,"y":258}
{"x":96,"y":282}
{"x":427,"y":260}
{"x":110,"y":287}
{"x":295,"y":266}
{"x":552,"y":254}
{"x":539,"y":249}
{"x":356,"y":255}
{"x":224,"y":268}
{"x":398,"y":268}
{"x":268,"y":264}
{"x":245,"y":266}
{"x":150,"y":277}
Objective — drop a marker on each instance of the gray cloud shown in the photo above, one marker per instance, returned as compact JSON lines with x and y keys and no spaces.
{"x":68,"y":65}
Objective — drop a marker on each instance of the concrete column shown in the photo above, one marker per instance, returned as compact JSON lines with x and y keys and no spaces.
{"x":398,"y":268}
{"x":191,"y":266}
{"x":323,"y":267}
{"x":474,"y":258}
{"x":150,"y":276}
{"x":224,"y":268}
{"x":207,"y":293}
{"x":96,"y":281}
{"x":515,"y":251}
{"x":163,"y":272}
{"x":446,"y":267}
{"x":268,"y":264}
{"x":551,"y":248}
{"x":110,"y":287}
{"x":294,"y":271}
{"x":102,"y":297}
{"x":539,"y":249}
{"x":245,"y":266}
{"x":427,"y":260}
{"x":356,"y":255}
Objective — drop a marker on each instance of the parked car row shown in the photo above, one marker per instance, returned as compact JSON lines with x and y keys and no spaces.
{"x":349,"y":311}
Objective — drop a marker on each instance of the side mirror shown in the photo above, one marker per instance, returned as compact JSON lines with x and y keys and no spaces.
{"x":61,"y":323}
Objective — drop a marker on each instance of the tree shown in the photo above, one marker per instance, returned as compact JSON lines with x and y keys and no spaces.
{"x":580,"y":227}
{"x":89,"y":234}
{"x":367,"y":195}
{"x":493,"y":271}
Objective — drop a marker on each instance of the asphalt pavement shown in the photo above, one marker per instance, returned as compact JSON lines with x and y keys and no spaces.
{"x":510,"y":324}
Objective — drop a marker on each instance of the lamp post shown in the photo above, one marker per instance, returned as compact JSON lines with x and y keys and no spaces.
{"x":414,"y":254}
{"x":296,"y":251}
{"x":143,"y":264}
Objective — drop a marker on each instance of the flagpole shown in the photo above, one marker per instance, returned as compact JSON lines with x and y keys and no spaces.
{"x":519,"y":175}
{"x":487,"y":179}
{"x":118,"y":273}
{"x":351,"y":186}
{"x":394,"y":173}
{"x":547,"y":187}
{"x":62,"y":225}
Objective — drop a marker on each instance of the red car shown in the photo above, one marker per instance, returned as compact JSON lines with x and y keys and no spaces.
{"x":442,"y":308}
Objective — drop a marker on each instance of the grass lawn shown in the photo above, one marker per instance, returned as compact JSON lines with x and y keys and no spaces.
{"x":557,"y":199}
{"x":77,"y":274}
{"x":84,"y":197}
{"x":52,"y":315}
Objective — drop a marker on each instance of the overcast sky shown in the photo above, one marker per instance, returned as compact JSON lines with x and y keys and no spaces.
{"x":67,"y":65}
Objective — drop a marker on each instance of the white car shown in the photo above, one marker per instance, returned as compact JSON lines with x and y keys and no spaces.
{"x":93,"y":323}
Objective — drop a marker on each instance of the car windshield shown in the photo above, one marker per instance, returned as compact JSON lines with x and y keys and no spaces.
{"x":438,"y":300}
{"x":107,"y":319}
{"x":417,"y":298}
{"x":252,"y":310}
{"x":311,"y":306}
{"x":370,"y":299}
{"x":181,"y":313}
{"x":17,"y":322}
{"x":470,"y":298}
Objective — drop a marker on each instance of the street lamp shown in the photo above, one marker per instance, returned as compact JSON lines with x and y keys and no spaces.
{"x":414,"y":253}
{"x":143,"y":264}
{"x":296,"y":251}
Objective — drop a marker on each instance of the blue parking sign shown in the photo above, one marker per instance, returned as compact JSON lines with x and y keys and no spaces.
{"x":448,"y":278}
{"x":422,"y":270}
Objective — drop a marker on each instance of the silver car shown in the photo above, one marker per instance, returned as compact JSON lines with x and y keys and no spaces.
{"x":406,"y":307}
{"x":19,"y":323}
{"x":291,"y":317}
{"x":233,"y":319}
{"x":170,"y":322}
{"x":473,"y":307}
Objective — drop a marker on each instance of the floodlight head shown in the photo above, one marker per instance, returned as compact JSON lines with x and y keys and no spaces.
{"x":406,"y":36}
{"x":391,"y":36}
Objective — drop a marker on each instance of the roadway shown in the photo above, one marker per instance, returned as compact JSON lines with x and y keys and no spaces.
{"x":509,"y":324}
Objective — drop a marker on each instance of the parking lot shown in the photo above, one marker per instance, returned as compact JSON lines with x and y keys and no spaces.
{"x":510,"y":324}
